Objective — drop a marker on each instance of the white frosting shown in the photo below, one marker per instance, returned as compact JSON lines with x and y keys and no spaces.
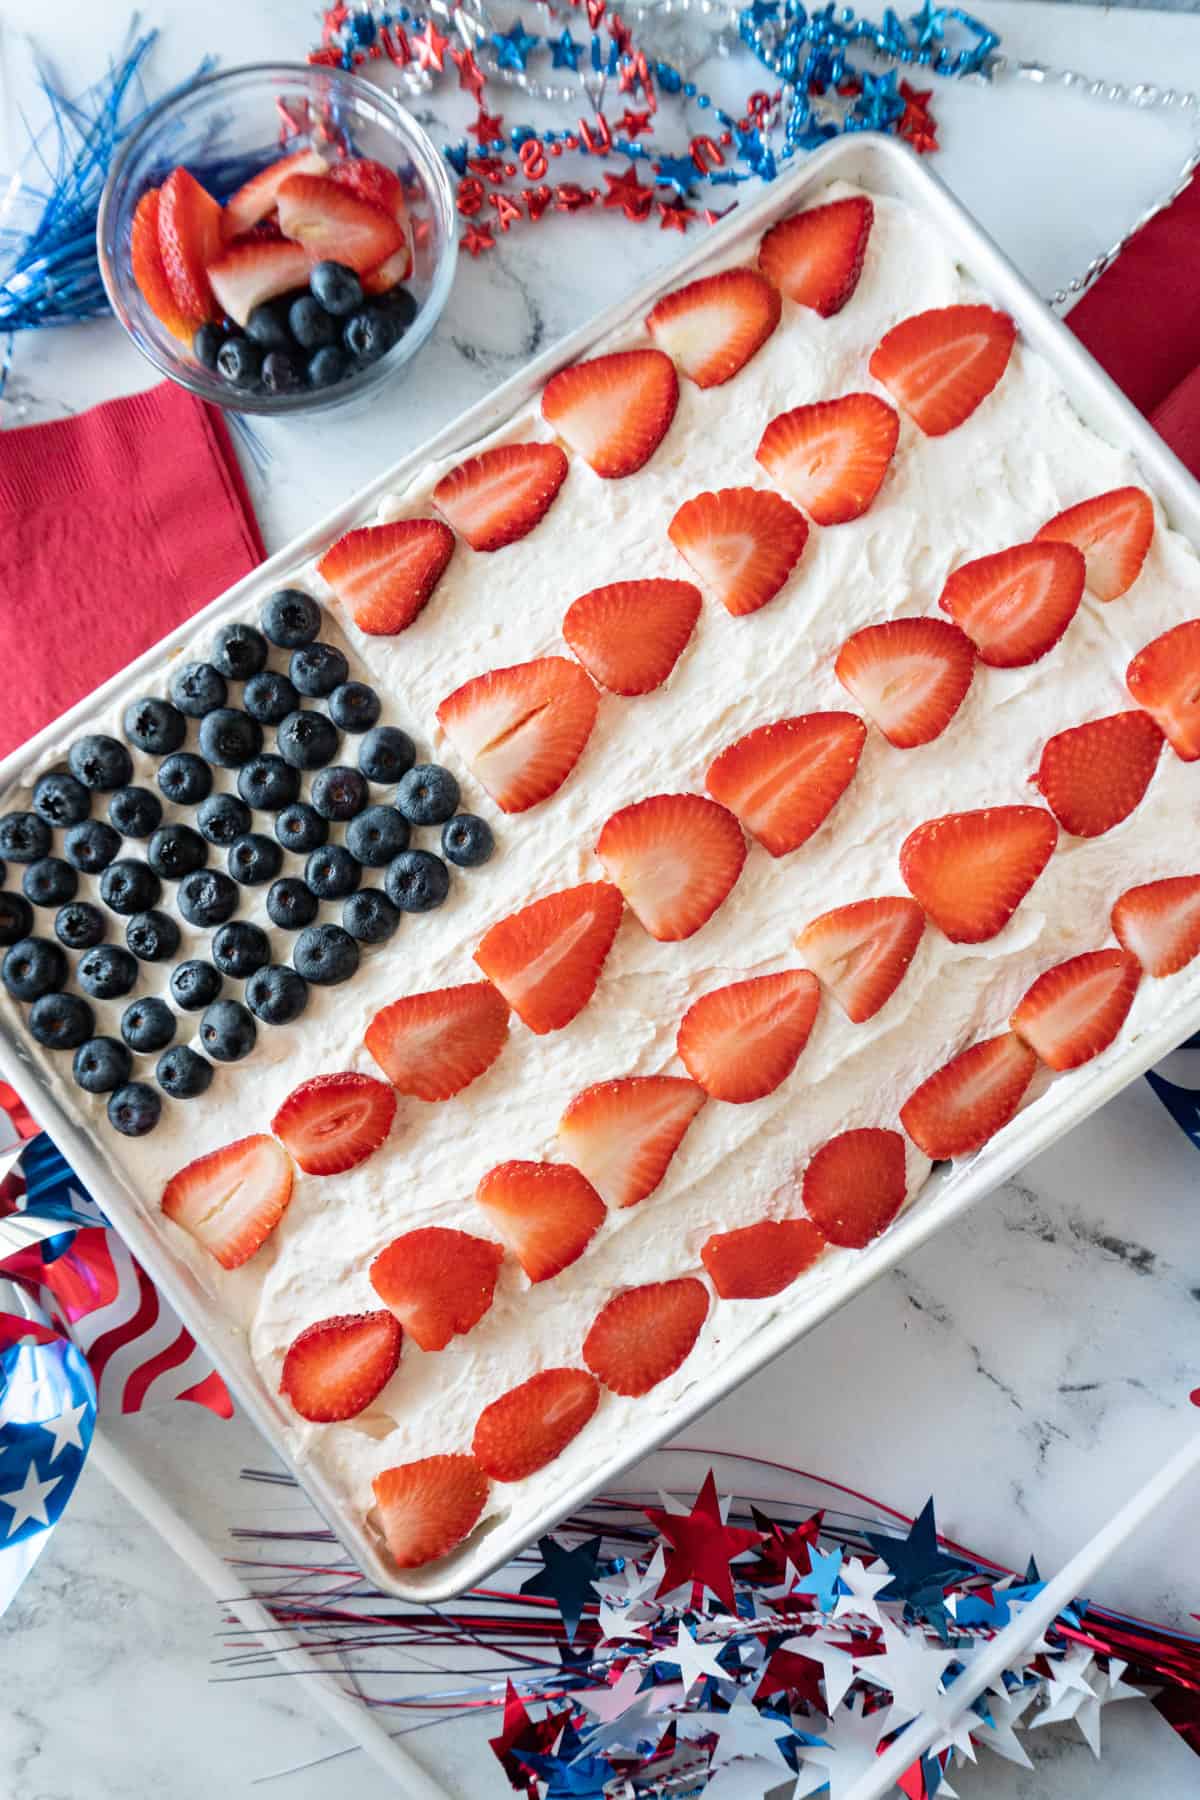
{"x":1019,"y":459}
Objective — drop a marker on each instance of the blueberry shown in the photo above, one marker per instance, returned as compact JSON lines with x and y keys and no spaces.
{"x":100,"y":762}
{"x":336,"y":287}
{"x":128,"y":886}
{"x":290,"y":617}
{"x":370,"y":334}
{"x":183,"y":1074}
{"x":239,"y":362}
{"x":239,"y":651}
{"x":101,"y":1065}
{"x":300,"y":828}
{"x":197,"y":688}
{"x":269,"y":697}
{"x":254,"y":859}
{"x":222,"y":819}
{"x":194,"y":985}
{"x":61,"y":800}
{"x":135,"y":811}
{"x":49,"y":882}
{"x":229,"y":738}
{"x":91,"y":846}
{"x":206,"y":345}
{"x":34,"y":967}
{"x":307,"y":740}
{"x":467,"y":841}
{"x":185,"y":778}
{"x":332,"y":873}
{"x":152,"y":936}
{"x":291,"y":904}
{"x":400,"y":306}
{"x":147,"y":1025}
{"x":134,"y":1109}
{"x":376,"y":836}
{"x":267,"y":325}
{"x":325,"y":954}
{"x":79,"y":925}
{"x":316,"y":669}
{"x":227,"y":1031}
{"x":175,"y":850}
{"x":239,"y":948}
{"x":276,"y":995}
{"x":154,"y":726}
{"x":61,"y":1021}
{"x":16,"y":918}
{"x":207,"y":897}
{"x":370,"y":916}
{"x":268,"y":783}
{"x":386,"y":753}
{"x":354,"y":706}
{"x":24,"y":837}
{"x":326,"y":367}
{"x":417,"y":881}
{"x":282,"y":373}
{"x":339,"y":793}
{"x":312,"y":327}
{"x":107,"y":972}
{"x":427,"y":795}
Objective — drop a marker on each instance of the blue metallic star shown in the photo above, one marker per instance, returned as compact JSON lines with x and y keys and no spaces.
{"x":919,"y":1569}
{"x":822,"y":1578}
{"x":930,"y":24}
{"x":565,"y":51}
{"x":676,"y":171}
{"x":456,"y":155}
{"x":513,"y":46}
{"x":567,"y":1578}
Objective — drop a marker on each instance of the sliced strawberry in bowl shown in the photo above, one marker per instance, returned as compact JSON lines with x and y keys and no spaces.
{"x":759,"y":1260}
{"x":546,"y":1214}
{"x":742,"y":542}
{"x":1113,"y":531}
{"x":150,"y":272}
{"x":862,"y":952}
{"x":831,"y":457}
{"x":189,"y":242}
{"x":614,"y":410}
{"x":676,"y":858}
{"x":335,"y":1368}
{"x":644,"y":1334}
{"x":427,"y":1507}
{"x":1095,"y":775}
{"x":522,"y":730}
{"x":622,"y":1134}
{"x":940,"y":365}
{"x":740,"y":1042}
{"x":1164,"y":678}
{"x":910,"y":676}
{"x":630,"y":634}
{"x":334,"y":1122}
{"x":529,"y":1426}
{"x":334,"y":225}
{"x":968,"y":1099}
{"x":970,"y":871}
{"x":816,"y":257}
{"x":1159,"y":923}
{"x":1015,"y":605}
{"x":255,"y":269}
{"x":497,"y":497}
{"x":384,"y":575}
{"x":231,"y":1199}
{"x":783,"y":780}
{"x":855,"y":1185}
{"x":382,"y":186}
{"x":546,"y":959}
{"x":438,"y":1282}
{"x":712,"y":327}
{"x":433,"y":1045}
{"x":1075,"y":1010}
{"x":258,"y":196}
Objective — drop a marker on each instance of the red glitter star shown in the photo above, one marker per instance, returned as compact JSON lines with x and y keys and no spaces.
{"x":620,"y":33}
{"x":477,"y":238}
{"x":701,"y":1543}
{"x":470,"y":75}
{"x":627,"y":192}
{"x":429,"y":47}
{"x":917,"y":124}
{"x":634,"y":123}
{"x":486,"y":127}
{"x":674,"y":216}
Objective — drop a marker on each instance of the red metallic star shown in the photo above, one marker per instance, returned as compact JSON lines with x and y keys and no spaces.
{"x":917,"y":124}
{"x":486,"y":127}
{"x":518,"y":1732}
{"x":627,"y":192}
{"x":674,"y":215}
{"x":620,"y":33}
{"x":796,"y":1673}
{"x":634,"y":123}
{"x":781,"y":1547}
{"x":470,"y":75}
{"x":477,"y":238}
{"x":701,"y":1543}
{"x":429,"y":47}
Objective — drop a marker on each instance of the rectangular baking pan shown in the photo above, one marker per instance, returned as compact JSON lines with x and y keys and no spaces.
{"x":889,"y":168}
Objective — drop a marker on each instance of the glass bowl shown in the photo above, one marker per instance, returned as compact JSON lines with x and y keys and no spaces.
{"x":227,"y":126}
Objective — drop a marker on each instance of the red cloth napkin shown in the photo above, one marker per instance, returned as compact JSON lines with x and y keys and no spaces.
{"x":115,"y":526}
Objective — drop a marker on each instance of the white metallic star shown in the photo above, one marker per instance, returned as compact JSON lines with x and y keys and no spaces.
{"x":694,"y":1660}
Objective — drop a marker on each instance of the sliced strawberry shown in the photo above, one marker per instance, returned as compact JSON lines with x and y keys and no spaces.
{"x":968,"y":1099}
{"x":257,"y":197}
{"x":384,"y":574}
{"x":439,"y":1283}
{"x":643,"y":1334}
{"x":335,"y":1368}
{"x":496,"y":498}
{"x":855,"y":1185}
{"x":189,"y":240}
{"x":546,"y":1213}
{"x":970,"y":871}
{"x":546,"y":959}
{"x":712,"y":327}
{"x":861,"y":952}
{"x":1159,"y":923}
{"x":742,"y":542}
{"x":622,"y":1134}
{"x":763,"y":1259}
{"x":816,"y":257}
{"x":740,"y":1042}
{"x":522,"y":730}
{"x":427,"y":1507}
{"x":392,"y":270}
{"x":784,"y":780}
{"x":255,"y":269}
{"x":149,"y":272}
{"x":1075,"y":1010}
{"x":532,"y":1424}
{"x":831,"y":457}
{"x":1113,"y":531}
{"x":434,"y":1045}
{"x":675,"y":857}
{"x":1095,"y":775}
{"x":372,"y":181}
{"x":1015,"y":605}
{"x":910,"y":676}
{"x":940,"y":365}
{"x":334,"y":225}
{"x":630,"y":634}
{"x":1164,"y":677}
{"x":232,"y":1199}
{"x":334,"y":1122}
{"x":615,"y":410}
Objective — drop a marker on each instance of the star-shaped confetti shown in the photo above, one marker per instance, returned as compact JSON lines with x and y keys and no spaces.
{"x":911,"y":1671}
{"x":919,"y":1570}
{"x":702,"y":1545}
{"x":487,"y":127}
{"x":676,"y":171}
{"x":861,"y":1585}
{"x":822,"y":1580}
{"x":674,"y":216}
{"x":916,"y":123}
{"x":477,"y":238}
{"x":836,"y":1663}
{"x":513,"y":46}
{"x":429,"y":47}
{"x":567,"y":1577}
{"x":634,"y":123}
{"x":565,"y":51}
{"x":847,"y":1750}
{"x":627,"y":192}
{"x":693,"y":1660}
{"x":519,"y":1733}
{"x":471,"y":77}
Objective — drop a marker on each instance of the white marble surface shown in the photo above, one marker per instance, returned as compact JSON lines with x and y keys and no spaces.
{"x":1030,"y":1368}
